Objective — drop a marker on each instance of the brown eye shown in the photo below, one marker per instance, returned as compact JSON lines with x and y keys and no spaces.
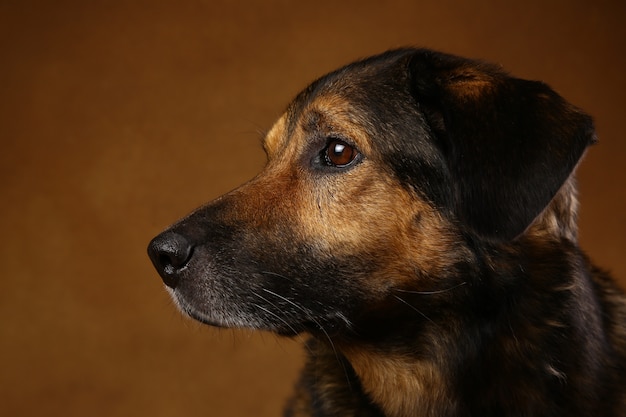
{"x":339,"y":153}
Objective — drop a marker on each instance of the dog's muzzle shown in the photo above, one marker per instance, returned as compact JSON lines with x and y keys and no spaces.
{"x":170,"y":253}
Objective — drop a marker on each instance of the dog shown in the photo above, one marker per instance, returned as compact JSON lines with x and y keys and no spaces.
{"x":417,"y":219}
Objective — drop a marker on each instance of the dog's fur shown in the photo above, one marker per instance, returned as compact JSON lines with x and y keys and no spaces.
{"x":417,"y":217}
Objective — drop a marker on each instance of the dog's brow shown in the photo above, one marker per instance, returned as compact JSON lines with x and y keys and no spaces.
{"x":312,"y":121}
{"x":273,"y":136}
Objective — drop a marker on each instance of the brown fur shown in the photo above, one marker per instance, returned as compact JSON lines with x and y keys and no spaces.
{"x":438,"y":272}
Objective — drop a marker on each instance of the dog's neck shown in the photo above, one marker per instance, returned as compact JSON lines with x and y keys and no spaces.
{"x":399,"y":385}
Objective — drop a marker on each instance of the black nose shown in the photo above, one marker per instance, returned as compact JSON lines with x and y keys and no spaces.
{"x":170,"y":253}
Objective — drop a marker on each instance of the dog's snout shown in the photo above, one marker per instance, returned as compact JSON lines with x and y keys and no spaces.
{"x":170,"y":252}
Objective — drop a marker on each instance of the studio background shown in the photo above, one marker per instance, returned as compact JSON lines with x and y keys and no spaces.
{"x":118,"y":117}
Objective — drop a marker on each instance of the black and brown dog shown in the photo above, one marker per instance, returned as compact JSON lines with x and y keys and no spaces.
{"x":417,"y":217}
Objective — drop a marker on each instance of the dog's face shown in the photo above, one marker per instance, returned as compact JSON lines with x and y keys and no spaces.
{"x":379,"y":178}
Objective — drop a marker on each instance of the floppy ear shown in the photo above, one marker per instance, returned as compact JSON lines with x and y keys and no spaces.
{"x":509,"y":143}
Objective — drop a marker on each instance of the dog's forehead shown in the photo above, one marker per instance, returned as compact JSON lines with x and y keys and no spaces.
{"x":342,"y":101}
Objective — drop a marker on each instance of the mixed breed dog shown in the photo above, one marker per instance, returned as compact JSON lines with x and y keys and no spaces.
{"x":417,"y":218}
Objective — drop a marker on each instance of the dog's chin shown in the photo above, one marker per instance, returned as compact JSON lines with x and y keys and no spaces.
{"x":210,"y":316}
{"x":216,"y":317}
{"x":281,"y":329}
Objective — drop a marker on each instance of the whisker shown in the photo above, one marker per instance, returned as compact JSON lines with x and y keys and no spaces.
{"x":305,"y":311}
{"x":433,"y":292}
{"x":276,"y":275}
{"x":282,"y":297}
{"x":296,"y":334}
{"x":319,"y":325}
{"x":414,"y":308}
{"x":285,"y":322}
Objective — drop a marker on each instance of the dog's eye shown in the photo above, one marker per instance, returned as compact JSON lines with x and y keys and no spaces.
{"x":339,"y":154}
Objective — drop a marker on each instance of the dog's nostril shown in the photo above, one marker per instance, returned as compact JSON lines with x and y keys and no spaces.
{"x":170,"y":252}
{"x":166,"y":263}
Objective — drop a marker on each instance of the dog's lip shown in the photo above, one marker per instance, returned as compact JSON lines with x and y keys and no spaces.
{"x":190,"y":311}
{"x":202,"y":319}
{"x":206,"y":320}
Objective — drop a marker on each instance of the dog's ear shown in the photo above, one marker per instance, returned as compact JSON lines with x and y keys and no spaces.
{"x":509,"y":144}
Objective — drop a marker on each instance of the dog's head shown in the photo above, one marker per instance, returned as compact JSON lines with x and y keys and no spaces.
{"x":379,"y":176}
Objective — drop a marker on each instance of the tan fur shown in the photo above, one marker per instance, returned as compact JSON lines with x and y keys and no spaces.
{"x":559,"y":219}
{"x":274,"y":136}
{"x":392,"y":381}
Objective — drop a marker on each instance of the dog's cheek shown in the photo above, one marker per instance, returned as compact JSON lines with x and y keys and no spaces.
{"x":343,"y":213}
{"x":367,"y":213}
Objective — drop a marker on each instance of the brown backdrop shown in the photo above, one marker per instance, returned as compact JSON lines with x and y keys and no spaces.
{"x":118,"y":117}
